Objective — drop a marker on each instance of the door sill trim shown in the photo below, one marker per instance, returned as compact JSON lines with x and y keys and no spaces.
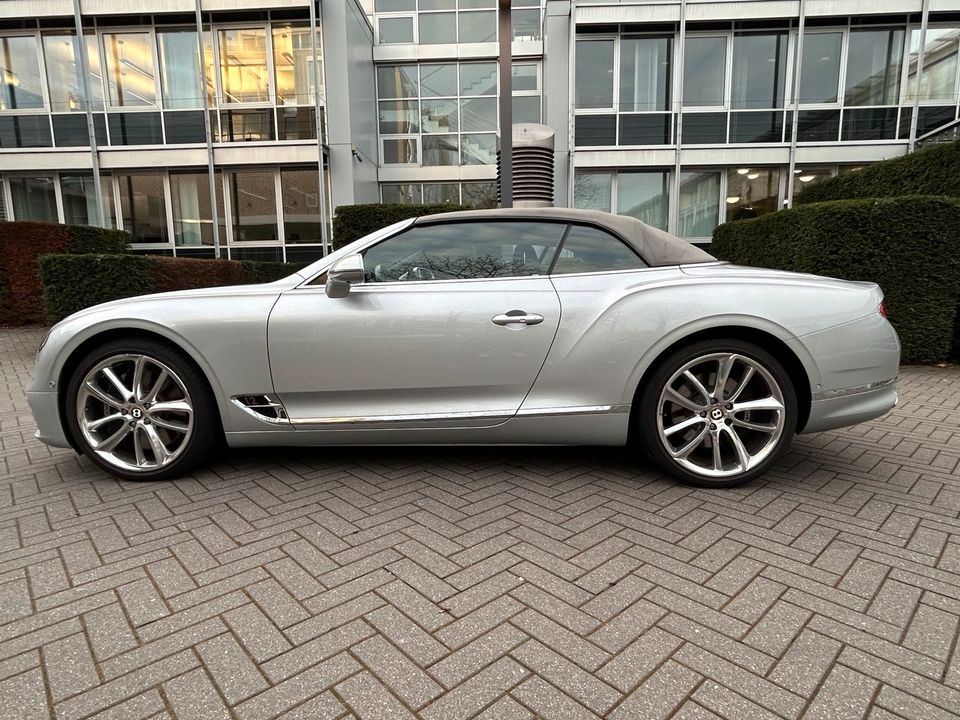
{"x":499,"y":416}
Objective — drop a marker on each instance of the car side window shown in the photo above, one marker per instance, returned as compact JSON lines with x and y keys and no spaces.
{"x":464,"y":251}
{"x":589,"y":249}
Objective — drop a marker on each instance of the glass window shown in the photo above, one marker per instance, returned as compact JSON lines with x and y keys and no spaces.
{"x":248,"y":125}
{"x":185,"y":127}
{"x":643,"y":195}
{"x":759,"y":70}
{"x":34,"y":198}
{"x":296,"y":77}
{"x":143,"y":207}
{"x":525,"y":77}
{"x":478,"y":79}
{"x":938,"y":81}
{"x":526,"y":24}
{"x":64,"y":81}
{"x":870,"y":124}
{"x":438,"y":80}
{"x":752,"y":192}
{"x":243,"y":66}
{"x":804,"y":177}
{"x":704,"y":69}
{"x":80,"y":200}
{"x":20,"y":85}
{"x":479,"y":194}
{"x":478,"y":27}
{"x":699,"y":207}
{"x":478,"y":114}
{"x":400,"y":116}
{"x":438,"y":28}
{"x":645,"y":74}
{"x":478,"y":149}
{"x":135,"y":128}
{"x":180,"y":69}
{"x":404,"y":194}
{"x":440,"y":150}
{"x":297,"y":123}
{"x":130,"y":69}
{"x":756,"y":127}
{"x":440,"y":193}
{"x":526,"y":109}
{"x":401,"y":151}
{"x":591,"y":190}
{"x":645,"y":129}
{"x":437,"y":5}
{"x":588,"y":249}
{"x":24,"y":131}
{"x":820,"y":70}
{"x":3,"y":207}
{"x":463,"y":251}
{"x":873,"y":67}
{"x":394,"y":5}
{"x":397,"y":81}
{"x":438,"y":116}
{"x":594,"y":74}
{"x":192,"y":216}
{"x":818,"y":126}
{"x":253,"y":205}
{"x":595,"y":130}
{"x":704,"y":128}
{"x":395,"y":30}
{"x":301,"y":206}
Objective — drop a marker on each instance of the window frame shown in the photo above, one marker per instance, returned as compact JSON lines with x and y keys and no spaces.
{"x":606,"y":231}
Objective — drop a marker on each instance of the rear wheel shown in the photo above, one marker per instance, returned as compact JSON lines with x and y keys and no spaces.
{"x":717,"y":413}
{"x":142,"y":410}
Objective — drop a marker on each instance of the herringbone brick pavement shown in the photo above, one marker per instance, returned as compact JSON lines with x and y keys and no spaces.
{"x":497,"y":583}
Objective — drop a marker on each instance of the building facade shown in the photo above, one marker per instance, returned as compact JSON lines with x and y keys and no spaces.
{"x":234,"y":128}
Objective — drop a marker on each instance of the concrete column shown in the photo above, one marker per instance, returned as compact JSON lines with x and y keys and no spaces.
{"x":558,"y":109}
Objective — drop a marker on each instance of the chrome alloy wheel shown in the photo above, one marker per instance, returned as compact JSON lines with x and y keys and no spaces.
{"x":720,"y":415}
{"x":135,"y":412}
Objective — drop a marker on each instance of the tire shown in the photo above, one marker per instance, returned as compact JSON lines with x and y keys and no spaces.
{"x":712,"y":441}
{"x":169,"y":423}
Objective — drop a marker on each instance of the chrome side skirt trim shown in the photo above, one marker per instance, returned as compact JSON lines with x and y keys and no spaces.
{"x":843,"y":392}
{"x":500,"y":416}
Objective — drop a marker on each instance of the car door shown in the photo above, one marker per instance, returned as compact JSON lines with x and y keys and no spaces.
{"x":449,"y":328}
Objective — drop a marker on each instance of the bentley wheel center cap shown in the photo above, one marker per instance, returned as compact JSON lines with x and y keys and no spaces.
{"x":136,"y":413}
{"x":716,"y":414}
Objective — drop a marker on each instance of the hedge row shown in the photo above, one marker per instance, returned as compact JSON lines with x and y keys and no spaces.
{"x":21,"y":243}
{"x":353,"y":222}
{"x":74,"y":282}
{"x":910,"y":246}
{"x":930,"y":171}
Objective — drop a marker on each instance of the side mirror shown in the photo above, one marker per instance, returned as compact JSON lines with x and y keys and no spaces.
{"x":346,"y":272}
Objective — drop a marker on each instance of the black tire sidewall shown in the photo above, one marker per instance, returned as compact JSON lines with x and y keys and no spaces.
{"x":649,"y":434}
{"x":206,"y":428}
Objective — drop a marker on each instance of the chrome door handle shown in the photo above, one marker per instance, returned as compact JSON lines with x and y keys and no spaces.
{"x":517,"y":316}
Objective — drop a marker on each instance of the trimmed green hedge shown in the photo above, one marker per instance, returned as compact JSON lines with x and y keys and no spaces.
{"x":930,"y":171}
{"x":75,"y":282}
{"x":21,"y":243}
{"x":353,"y":222}
{"x":909,"y":246}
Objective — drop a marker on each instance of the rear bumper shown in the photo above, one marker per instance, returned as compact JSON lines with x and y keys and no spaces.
{"x":46,"y":413}
{"x":834,"y":412}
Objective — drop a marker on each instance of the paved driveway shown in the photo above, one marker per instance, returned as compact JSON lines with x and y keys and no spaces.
{"x":504,"y":583}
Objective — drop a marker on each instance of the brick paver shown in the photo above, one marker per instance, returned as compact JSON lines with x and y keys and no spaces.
{"x":454,"y":583}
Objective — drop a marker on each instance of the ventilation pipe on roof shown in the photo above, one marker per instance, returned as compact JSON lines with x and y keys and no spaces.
{"x":532,"y":166}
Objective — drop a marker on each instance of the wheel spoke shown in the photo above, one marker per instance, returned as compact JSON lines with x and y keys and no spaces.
{"x":157,"y":386}
{"x":100,"y":422}
{"x":683,"y":425}
{"x":697,"y":385}
{"x":125,"y":392}
{"x":160,"y":452}
{"x":684,"y":401}
{"x":744,"y":381}
{"x":759,"y":427}
{"x":138,"y":368}
{"x":769,"y":403}
{"x":111,"y":442}
{"x":103,"y":396}
{"x":178,"y":406}
{"x":170,"y":424}
{"x":138,"y":448}
{"x":724,"y":367}
{"x":742,"y":455}
{"x":692,"y":445}
{"x":717,"y":459}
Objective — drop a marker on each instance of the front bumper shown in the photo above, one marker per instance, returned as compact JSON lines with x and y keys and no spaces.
{"x":46,"y":413}
{"x":836,"y":412}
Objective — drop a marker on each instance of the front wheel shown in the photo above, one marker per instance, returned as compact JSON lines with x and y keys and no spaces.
{"x":717,"y":413}
{"x":142,"y":410}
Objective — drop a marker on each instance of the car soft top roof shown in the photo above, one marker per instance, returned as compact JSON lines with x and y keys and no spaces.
{"x":656,"y":247}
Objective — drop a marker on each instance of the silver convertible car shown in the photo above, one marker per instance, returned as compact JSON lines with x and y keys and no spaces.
{"x":493,"y":327}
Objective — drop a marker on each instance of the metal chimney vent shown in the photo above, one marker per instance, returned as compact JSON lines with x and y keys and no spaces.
{"x":532,"y":166}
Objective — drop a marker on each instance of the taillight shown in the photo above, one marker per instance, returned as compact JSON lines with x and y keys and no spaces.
{"x":882,"y":309}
